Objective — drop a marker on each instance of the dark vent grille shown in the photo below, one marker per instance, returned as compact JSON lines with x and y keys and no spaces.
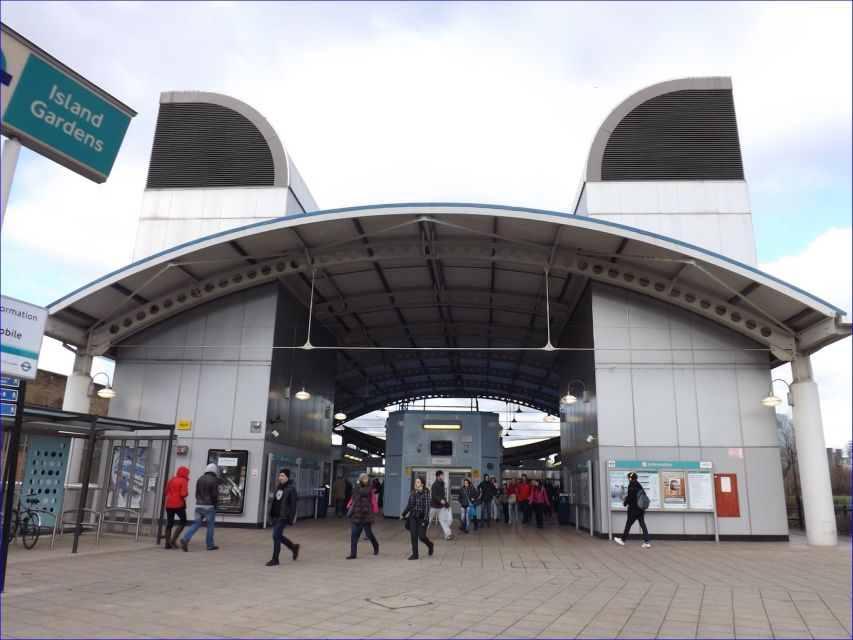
{"x":683,"y":135}
{"x":207,"y":145}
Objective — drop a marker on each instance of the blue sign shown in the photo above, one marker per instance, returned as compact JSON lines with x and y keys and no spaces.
{"x":9,"y":395}
{"x":9,"y":382}
{"x":8,"y":409}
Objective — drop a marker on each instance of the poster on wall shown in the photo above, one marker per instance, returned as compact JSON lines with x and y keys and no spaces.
{"x":126,"y":477}
{"x":674,"y":490}
{"x":650,"y":481}
{"x":700,"y":489}
{"x":233,"y":466}
{"x":618,"y":487}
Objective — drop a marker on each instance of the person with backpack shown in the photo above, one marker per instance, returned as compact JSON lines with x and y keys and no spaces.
{"x":637,"y":502}
{"x":467,"y":505}
{"x":206,"y":498}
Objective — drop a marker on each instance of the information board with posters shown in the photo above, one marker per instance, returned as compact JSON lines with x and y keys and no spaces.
{"x":233,"y":466}
{"x":681,"y":485}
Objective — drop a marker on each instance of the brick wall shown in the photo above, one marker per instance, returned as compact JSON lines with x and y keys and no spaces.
{"x":48,"y":390}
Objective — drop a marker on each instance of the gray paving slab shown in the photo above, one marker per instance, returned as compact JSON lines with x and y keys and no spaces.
{"x":498,"y":582}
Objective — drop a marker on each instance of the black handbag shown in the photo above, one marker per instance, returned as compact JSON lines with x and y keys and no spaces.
{"x":408,"y":527}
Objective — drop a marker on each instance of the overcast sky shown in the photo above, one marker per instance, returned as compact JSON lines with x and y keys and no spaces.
{"x":466,"y":102}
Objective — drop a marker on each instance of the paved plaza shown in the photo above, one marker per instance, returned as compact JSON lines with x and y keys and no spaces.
{"x":500,"y":582}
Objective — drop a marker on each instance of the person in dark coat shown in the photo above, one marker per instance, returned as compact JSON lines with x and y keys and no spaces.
{"x":206,"y":496}
{"x":362,"y":515}
{"x":467,"y":499}
{"x":177,"y":490}
{"x":417,"y":511}
{"x":282,"y":511}
{"x":486,"y":494}
{"x":634,"y":512}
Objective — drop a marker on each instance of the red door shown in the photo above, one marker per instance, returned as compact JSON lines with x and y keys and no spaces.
{"x":728,"y":503}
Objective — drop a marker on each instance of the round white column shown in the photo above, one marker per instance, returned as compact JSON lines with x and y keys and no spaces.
{"x":811,"y":457}
{"x":77,"y":399}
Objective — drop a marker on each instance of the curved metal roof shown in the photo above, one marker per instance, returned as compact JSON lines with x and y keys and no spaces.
{"x":445,"y":299}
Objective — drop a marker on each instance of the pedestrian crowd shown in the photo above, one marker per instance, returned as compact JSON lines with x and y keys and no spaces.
{"x":486,"y":504}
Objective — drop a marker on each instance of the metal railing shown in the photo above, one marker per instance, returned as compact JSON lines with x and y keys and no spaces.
{"x":843,"y":513}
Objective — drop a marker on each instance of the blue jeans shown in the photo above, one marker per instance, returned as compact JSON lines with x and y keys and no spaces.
{"x":207,"y":514}
{"x":278,"y":537}
{"x":513,"y":512}
{"x":357,"y":528}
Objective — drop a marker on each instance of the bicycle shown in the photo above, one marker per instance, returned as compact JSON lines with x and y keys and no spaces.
{"x":26,"y":525}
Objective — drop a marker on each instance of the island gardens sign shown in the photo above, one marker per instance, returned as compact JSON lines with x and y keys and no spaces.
{"x":57,"y":113}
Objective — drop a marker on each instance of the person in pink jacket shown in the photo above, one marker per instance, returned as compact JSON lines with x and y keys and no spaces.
{"x":540,"y":501}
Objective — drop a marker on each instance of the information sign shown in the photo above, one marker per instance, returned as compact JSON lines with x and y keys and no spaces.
{"x":700,"y":489}
{"x":22,"y":332}
{"x":58,"y":113}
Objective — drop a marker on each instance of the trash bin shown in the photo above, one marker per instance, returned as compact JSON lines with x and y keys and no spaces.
{"x":563,"y":509}
{"x":322,"y":501}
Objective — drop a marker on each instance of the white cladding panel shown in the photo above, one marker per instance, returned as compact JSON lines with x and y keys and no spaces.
{"x":171,"y":217}
{"x":711,"y":214}
{"x":701,"y":403}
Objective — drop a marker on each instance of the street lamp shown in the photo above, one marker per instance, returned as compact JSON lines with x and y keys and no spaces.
{"x":772,"y":400}
{"x":107,"y":392}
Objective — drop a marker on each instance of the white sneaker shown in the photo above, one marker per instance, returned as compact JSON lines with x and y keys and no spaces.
{"x":647,"y":545}
{"x":619,"y":542}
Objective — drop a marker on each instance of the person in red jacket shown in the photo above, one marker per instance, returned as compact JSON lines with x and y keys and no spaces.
{"x":177,"y":490}
{"x":523,"y":495}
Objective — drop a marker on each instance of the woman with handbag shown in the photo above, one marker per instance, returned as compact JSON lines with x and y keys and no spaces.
{"x":361,"y":513}
{"x":416,"y":515}
{"x":512,"y":501}
{"x":467,"y":505}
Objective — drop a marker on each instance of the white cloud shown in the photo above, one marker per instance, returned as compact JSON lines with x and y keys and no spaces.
{"x":823,"y":268}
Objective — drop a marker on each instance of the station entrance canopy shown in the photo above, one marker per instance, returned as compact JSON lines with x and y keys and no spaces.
{"x":445,"y":300}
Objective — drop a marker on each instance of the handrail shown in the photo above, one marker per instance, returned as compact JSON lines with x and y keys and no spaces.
{"x":82,"y":524}
{"x":134,"y":512}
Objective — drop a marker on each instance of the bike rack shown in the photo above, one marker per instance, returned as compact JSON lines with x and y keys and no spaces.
{"x":84,"y":524}
{"x":134,"y":512}
{"x":52,"y":515}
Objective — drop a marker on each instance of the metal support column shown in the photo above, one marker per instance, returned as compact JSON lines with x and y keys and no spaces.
{"x":11,"y":148}
{"x":165,"y":480}
{"x":84,"y":492}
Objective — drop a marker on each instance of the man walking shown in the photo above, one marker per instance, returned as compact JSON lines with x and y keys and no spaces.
{"x":281,"y":513}
{"x":339,"y":494}
{"x":206,"y":494}
{"x":438,"y":507}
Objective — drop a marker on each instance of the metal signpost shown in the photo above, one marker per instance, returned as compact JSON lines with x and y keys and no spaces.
{"x":11,"y":470}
